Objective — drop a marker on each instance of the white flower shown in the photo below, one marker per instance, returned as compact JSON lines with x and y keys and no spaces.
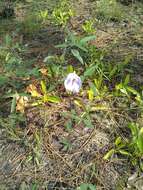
{"x":73,"y":83}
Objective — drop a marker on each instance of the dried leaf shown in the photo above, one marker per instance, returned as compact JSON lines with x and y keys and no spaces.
{"x":44,"y":71}
{"x":32,"y":89}
{"x":21,"y":103}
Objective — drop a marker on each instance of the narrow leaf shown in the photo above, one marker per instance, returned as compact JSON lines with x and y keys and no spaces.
{"x":140,"y":140}
{"x":109,"y":154}
{"x":53,"y":99}
{"x":87,"y":39}
{"x":90,"y":94}
{"x":43,"y":87}
{"x":134,"y":129}
{"x":77,"y":55}
{"x":90,"y":71}
{"x":124,"y":152}
{"x":118,"y":141}
{"x":13,"y":105}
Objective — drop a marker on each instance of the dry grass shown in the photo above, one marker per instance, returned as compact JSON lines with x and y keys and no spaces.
{"x":37,"y":152}
{"x":81,"y":162}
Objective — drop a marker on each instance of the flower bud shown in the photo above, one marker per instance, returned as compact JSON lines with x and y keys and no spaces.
{"x":73,"y":83}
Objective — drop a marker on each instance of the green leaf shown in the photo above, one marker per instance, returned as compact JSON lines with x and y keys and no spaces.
{"x":134,"y":129}
{"x":13,"y":105}
{"x":127,"y":60}
{"x":86,"y":39}
{"x":3,"y":80}
{"x":80,"y":47}
{"x":83,"y":186}
{"x":113,"y":72}
{"x":87,"y":121}
{"x":140,"y":140}
{"x":141,"y":165}
{"x":77,"y":55}
{"x":34,"y":187}
{"x":34,"y":72}
{"x":99,"y":107}
{"x":86,"y":186}
{"x":119,"y":86}
{"x":50,"y":57}
{"x":93,"y":87}
{"x":109,"y":154}
{"x":53,"y":99}
{"x":90,"y":71}
{"x":92,"y":187}
{"x":62,"y":45}
{"x":8,"y":40}
{"x":118,"y":141}
{"x":90,"y":94}
{"x":37,"y":137}
{"x":124,"y":152}
{"x":70,"y":69}
{"x":127,"y":79}
{"x":43,"y":87}
{"x":124,"y":91}
{"x":68,"y":125}
{"x":132,"y":90}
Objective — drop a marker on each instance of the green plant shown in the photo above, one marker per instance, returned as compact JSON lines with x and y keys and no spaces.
{"x":132,"y":147}
{"x":76,"y":45}
{"x":137,"y":139}
{"x":34,"y":147}
{"x":117,"y":70}
{"x":94,"y":63}
{"x":37,"y":148}
{"x":13,"y":65}
{"x":62,"y":13}
{"x":10,"y":123}
{"x":98,"y":89}
{"x":124,"y":89}
{"x":32,"y":23}
{"x":84,"y":117}
{"x":43,"y":96}
{"x":67,"y":144}
{"x":9,"y":52}
{"x":43,"y":15}
{"x":88,"y":27}
{"x":119,"y":146}
{"x":86,"y":186}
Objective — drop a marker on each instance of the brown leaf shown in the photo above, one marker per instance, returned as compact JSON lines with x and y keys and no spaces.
{"x":44,"y":71}
{"x":21,"y":103}
{"x":32,"y":89}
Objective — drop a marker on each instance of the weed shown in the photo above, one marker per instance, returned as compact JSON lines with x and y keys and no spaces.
{"x":31,"y":23}
{"x":98,"y":90}
{"x":37,"y":111}
{"x":132,"y":147}
{"x":67,"y":145}
{"x":43,"y":96}
{"x":88,"y":27}
{"x":76,"y":45}
{"x":86,"y":186}
{"x":110,"y":10}
{"x":63,"y":13}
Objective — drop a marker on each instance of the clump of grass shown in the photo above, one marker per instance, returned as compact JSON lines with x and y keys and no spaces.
{"x":110,"y":10}
{"x":30,"y":24}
